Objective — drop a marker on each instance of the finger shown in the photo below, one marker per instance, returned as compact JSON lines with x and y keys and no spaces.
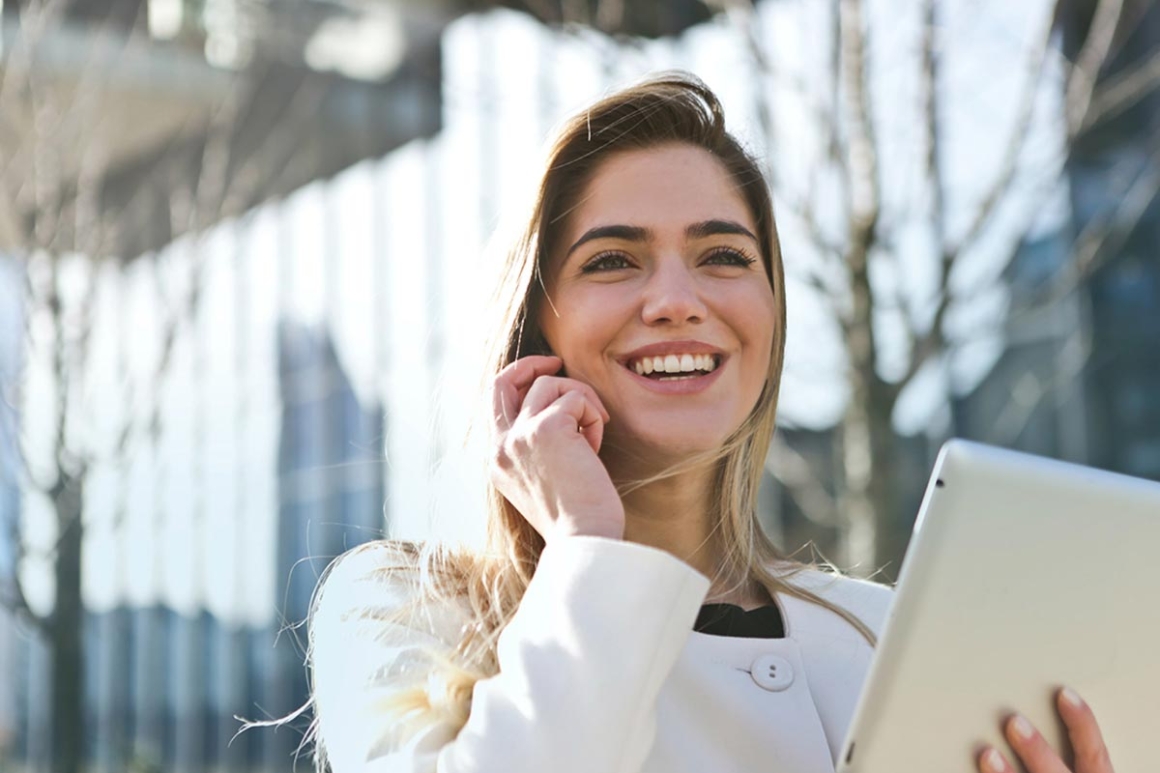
{"x":548,"y":389}
{"x":511,"y":385}
{"x":524,"y":371}
{"x":993,"y":761}
{"x":1091,"y":753}
{"x":505,"y":404}
{"x":581,"y":416}
{"x":532,"y":367}
{"x":1034,"y":751}
{"x":593,"y":432}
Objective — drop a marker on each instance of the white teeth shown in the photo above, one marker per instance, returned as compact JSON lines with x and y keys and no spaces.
{"x":675,"y":363}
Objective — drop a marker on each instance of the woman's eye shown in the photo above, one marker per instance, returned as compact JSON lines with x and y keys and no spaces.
{"x":728,"y":257}
{"x":608,"y":261}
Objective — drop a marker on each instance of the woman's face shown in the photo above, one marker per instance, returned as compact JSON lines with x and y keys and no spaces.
{"x":658,"y":299}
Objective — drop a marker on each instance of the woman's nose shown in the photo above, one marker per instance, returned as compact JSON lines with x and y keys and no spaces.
{"x":672,"y":296}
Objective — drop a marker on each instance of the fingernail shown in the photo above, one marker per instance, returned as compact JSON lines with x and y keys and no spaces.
{"x":994,"y":760}
{"x":1023,"y":728}
{"x":1072,"y":698}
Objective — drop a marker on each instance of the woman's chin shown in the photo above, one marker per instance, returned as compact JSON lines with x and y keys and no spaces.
{"x":659,"y":450}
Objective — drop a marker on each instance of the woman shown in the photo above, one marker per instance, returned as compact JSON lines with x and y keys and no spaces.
{"x":634,"y":392}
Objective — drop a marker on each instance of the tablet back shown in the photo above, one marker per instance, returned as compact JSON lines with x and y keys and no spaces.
{"x":1023,"y":574}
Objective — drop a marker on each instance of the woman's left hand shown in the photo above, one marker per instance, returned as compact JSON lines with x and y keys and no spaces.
{"x":1087,"y":743}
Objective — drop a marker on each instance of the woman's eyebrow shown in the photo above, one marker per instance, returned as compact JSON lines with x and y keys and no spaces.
{"x":715,"y":227}
{"x":635,"y":233}
{"x":631,"y":233}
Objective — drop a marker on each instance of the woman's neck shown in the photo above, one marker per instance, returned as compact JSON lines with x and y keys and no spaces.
{"x":674,"y":515}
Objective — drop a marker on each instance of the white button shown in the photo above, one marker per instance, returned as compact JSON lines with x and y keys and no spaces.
{"x":772,"y":673}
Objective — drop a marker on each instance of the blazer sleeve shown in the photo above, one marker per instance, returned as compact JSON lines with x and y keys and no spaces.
{"x":580,"y":667}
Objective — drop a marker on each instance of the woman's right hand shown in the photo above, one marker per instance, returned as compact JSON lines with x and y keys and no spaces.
{"x":547,"y":430}
{"x":1087,"y":742}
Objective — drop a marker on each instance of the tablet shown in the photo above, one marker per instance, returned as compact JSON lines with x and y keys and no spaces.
{"x":1023,"y":574}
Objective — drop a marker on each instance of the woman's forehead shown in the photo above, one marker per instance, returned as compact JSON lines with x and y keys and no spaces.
{"x":666,"y":187}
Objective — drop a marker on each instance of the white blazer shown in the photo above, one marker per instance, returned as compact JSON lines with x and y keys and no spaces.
{"x":600,"y":672}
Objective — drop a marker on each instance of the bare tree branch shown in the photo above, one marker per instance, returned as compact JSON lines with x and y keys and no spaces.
{"x":793,"y":471}
{"x":863,"y":181}
{"x":1122,"y":92}
{"x":1089,"y":62}
{"x":1030,"y":390}
{"x":277,"y":149}
{"x":812,"y":278}
{"x":35,"y":17}
{"x":1081,"y":84}
{"x":929,"y":80}
{"x":833,"y":146}
{"x":61,"y":391}
{"x":211,"y":190}
{"x":1105,"y":234}
{"x":743,"y":17}
{"x":742,"y":14}
{"x":1001,"y":186}
{"x":923,"y":345}
{"x":867,"y":440}
{"x":1101,"y":239}
{"x":863,"y":188}
{"x":88,"y":228}
{"x":806,"y":214}
{"x":1102,"y":236}
{"x":190,"y":208}
{"x":13,"y":598}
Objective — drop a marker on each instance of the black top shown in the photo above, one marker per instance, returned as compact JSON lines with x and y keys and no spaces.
{"x":731,"y":620}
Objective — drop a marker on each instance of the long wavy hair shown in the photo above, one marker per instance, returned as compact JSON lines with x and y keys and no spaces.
{"x":674,"y":108}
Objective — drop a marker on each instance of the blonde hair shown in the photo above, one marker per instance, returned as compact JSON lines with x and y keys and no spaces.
{"x":672,"y":108}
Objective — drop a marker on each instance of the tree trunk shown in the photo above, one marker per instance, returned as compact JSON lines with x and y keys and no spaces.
{"x":67,"y":704}
{"x":869,"y":453}
{"x":869,"y":447}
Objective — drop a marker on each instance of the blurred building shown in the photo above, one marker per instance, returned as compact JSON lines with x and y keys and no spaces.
{"x":1122,"y":295}
{"x":332,"y":496}
{"x":164,"y":689}
{"x":1081,"y":371}
{"x":271,"y":95}
{"x":304,"y":97}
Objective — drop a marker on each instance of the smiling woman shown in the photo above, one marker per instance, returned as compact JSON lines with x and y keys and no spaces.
{"x":628,"y":614}
{"x":662,"y":269}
